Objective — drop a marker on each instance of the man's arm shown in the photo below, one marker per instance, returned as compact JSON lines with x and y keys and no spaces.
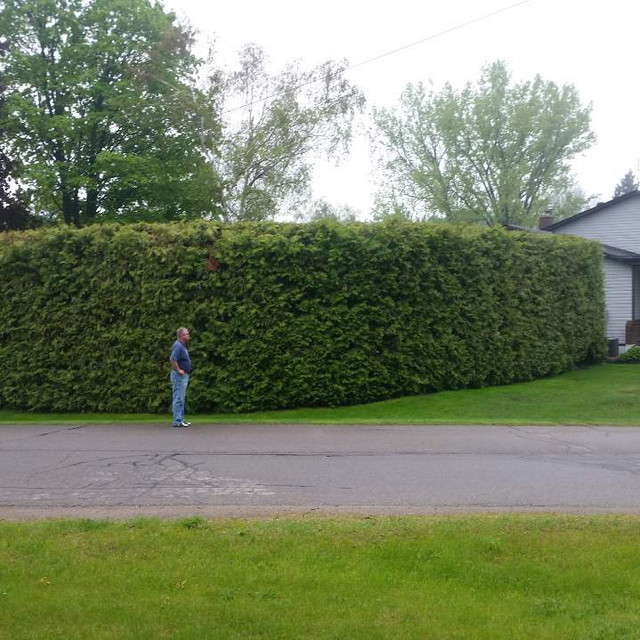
{"x":176,"y":367}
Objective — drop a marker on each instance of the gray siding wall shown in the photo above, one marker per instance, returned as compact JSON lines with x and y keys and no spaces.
{"x":617,"y":287}
{"x":617,"y":226}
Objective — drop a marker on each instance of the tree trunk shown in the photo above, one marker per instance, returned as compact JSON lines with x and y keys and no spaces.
{"x":91,"y":210}
{"x":71,"y":206}
{"x":67,"y":206}
{"x":76,"y":209}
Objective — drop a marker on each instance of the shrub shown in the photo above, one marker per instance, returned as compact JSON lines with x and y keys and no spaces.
{"x":286,"y":315}
{"x":630,"y":356}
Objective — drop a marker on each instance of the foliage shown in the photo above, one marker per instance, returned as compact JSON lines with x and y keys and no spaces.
{"x":570,"y":202}
{"x":108,"y":119}
{"x":630,"y":356}
{"x":274,"y":126}
{"x":288,"y":315}
{"x":14,"y":213}
{"x":497,"y":152}
{"x":97,"y":115}
{"x":321,"y":209}
{"x":627,"y":184}
{"x":13,"y":209}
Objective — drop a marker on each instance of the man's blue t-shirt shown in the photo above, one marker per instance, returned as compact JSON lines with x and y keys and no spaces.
{"x":180,"y":354}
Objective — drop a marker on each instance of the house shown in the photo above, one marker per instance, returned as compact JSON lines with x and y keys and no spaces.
{"x":616,"y":224}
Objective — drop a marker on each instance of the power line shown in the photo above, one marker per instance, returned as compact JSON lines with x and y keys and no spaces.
{"x":433,"y":36}
{"x":440,"y":33}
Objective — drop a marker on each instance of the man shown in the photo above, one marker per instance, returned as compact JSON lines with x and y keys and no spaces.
{"x":180,"y":371}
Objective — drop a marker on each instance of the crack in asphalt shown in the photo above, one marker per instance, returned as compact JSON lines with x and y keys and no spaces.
{"x":167,"y":473}
{"x":32,"y":436}
{"x":59,"y":466}
{"x":599,"y":463}
{"x":46,"y":433}
{"x":524,"y":434}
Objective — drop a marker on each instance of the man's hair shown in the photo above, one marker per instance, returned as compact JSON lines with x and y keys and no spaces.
{"x":181,"y":331}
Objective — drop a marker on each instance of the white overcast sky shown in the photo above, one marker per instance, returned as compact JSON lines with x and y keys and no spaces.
{"x":591,"y":44}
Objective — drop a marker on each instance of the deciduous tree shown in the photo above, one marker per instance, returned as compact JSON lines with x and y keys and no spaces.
{"x":274,"y":126}
{"x":496,"y":152}
{"x":95,"y":112}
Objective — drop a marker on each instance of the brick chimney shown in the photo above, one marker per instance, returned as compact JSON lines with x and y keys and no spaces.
{"x":546,"y":219}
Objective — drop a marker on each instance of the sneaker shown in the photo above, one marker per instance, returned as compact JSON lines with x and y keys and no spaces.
{"x":182,"y":424}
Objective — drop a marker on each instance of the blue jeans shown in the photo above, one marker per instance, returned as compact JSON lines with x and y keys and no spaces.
{"x":179,"y":384}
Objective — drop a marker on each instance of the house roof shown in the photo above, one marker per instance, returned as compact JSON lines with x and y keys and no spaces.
{"x":599,"y":207}
{"x":621,"y":255}
{"x":613,"y":253}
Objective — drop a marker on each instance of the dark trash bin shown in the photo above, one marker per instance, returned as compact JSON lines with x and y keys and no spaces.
{"x":614,"y":349}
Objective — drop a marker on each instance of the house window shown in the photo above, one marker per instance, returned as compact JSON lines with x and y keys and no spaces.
{"x":636,"y":292}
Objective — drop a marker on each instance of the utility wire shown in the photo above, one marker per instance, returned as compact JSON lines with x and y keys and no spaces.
{"x":433,"y":36}
{"x":440,"y":33}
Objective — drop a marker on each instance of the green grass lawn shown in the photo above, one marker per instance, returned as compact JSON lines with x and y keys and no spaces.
{"x":605,"y":394}
{"x":461,"y":577}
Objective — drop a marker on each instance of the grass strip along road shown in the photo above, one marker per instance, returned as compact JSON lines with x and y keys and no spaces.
{"x":429,"y":578}
{"x":605,"y":394}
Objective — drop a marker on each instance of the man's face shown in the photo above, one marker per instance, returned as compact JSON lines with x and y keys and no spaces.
{"x":185,"y":337}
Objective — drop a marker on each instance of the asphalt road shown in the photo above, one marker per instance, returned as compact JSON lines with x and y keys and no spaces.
{"x":125,"y":470}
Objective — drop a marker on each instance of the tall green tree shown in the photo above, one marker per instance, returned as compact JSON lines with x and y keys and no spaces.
{"x":628,"y":183}
{"x":496,"y":152}
{"x":95,"y":111}
{"x":274,"y":126}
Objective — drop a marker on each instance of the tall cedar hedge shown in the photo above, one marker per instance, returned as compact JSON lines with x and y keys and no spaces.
{"x":288,"y":315}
